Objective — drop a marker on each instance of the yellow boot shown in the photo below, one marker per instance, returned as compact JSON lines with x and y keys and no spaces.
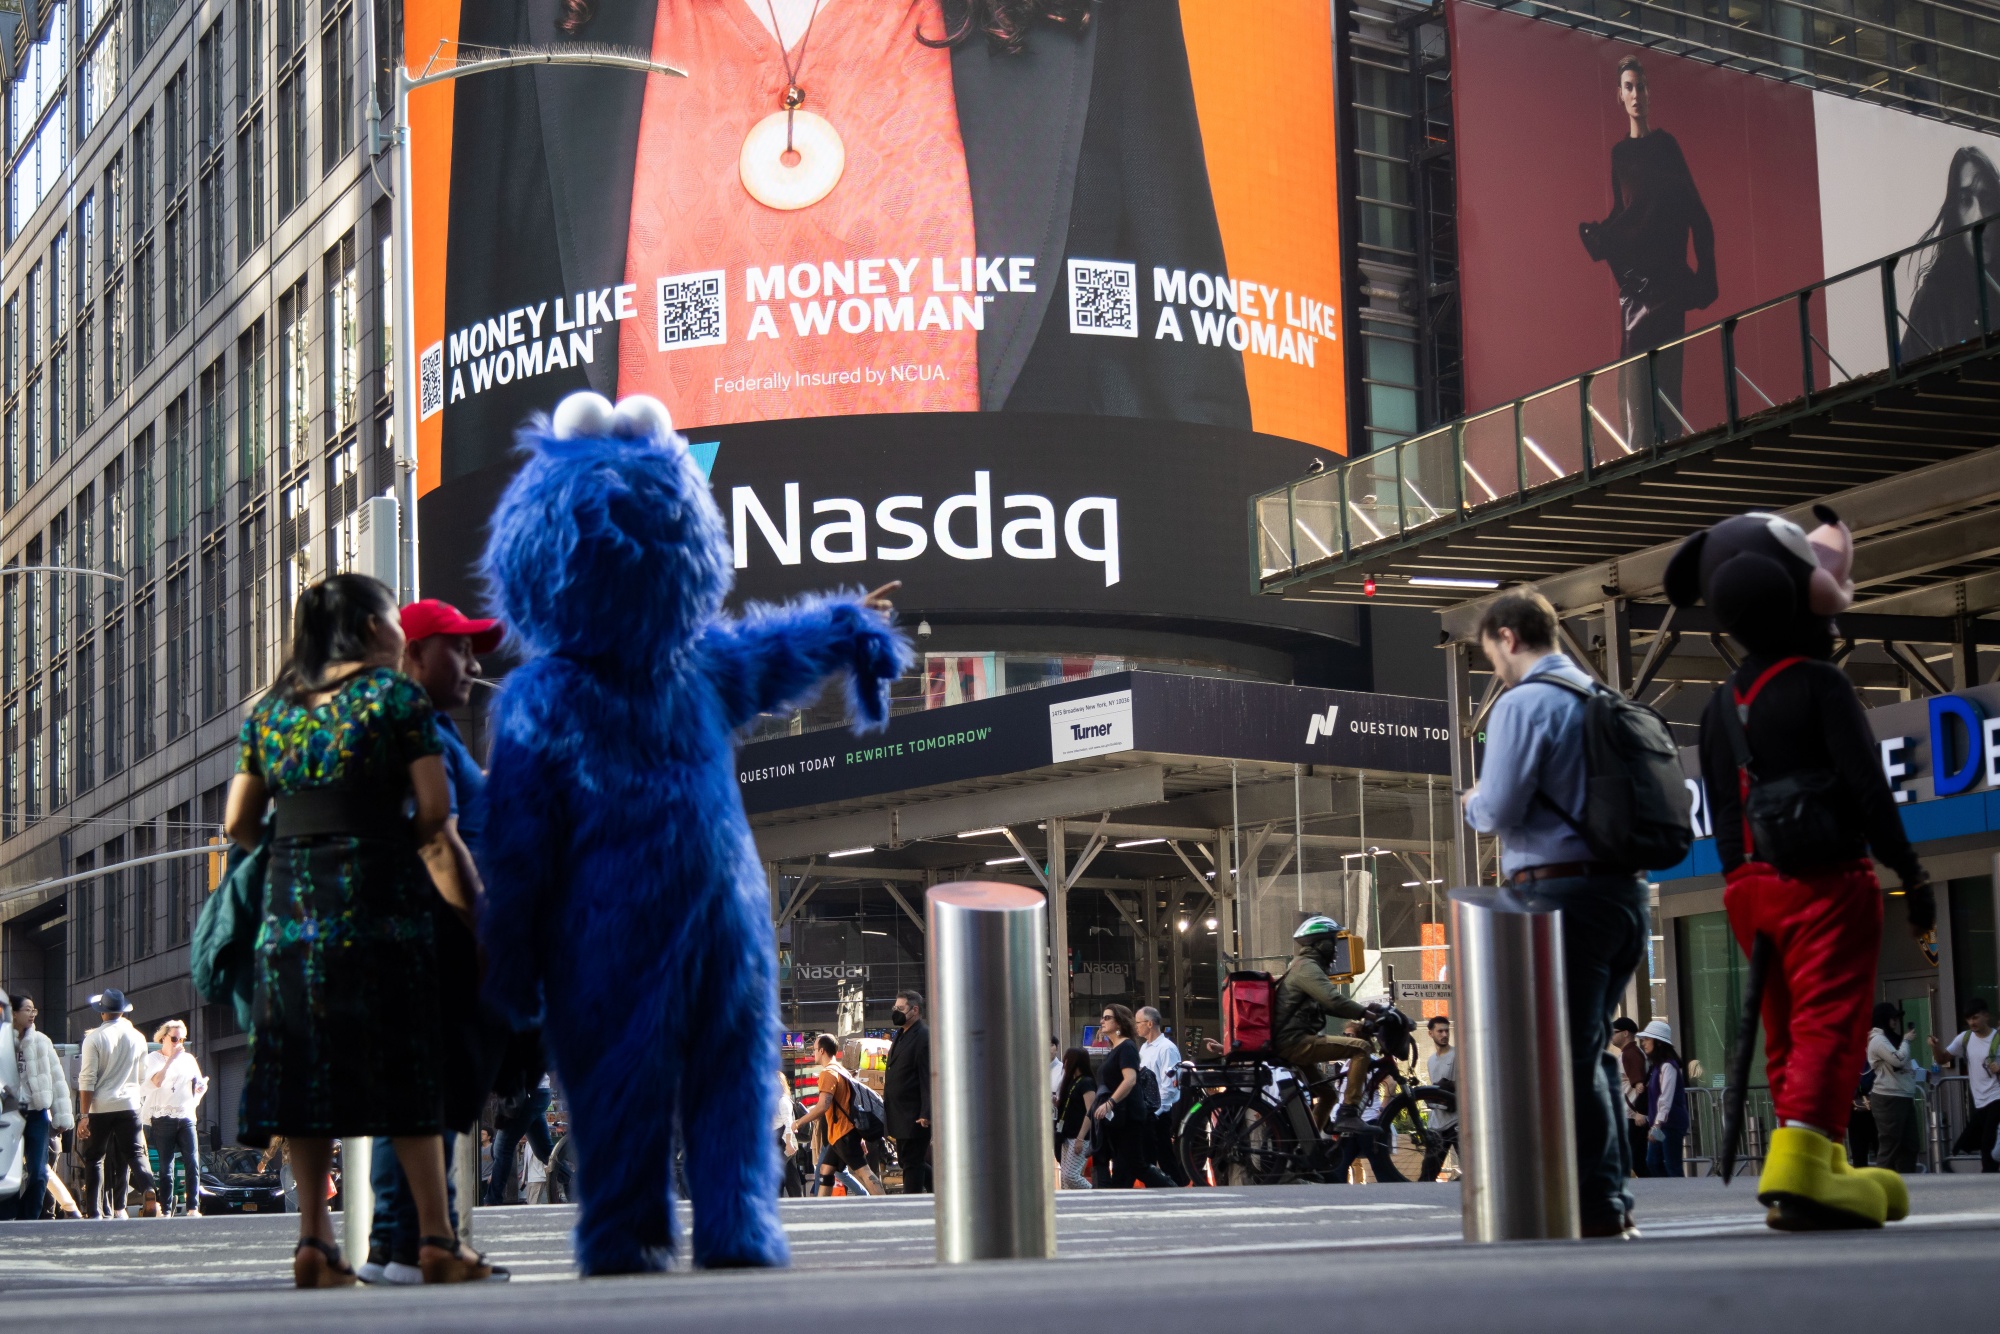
{"x":1893,"y":1190}
{"x":1806,"y":1195}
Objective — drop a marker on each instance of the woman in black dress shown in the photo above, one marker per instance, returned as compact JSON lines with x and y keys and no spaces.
{"x":345,"y":1040}
{"x":1117,"y":1111}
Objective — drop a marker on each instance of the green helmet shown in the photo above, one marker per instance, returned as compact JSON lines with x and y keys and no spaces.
{"x":1317,"y":925}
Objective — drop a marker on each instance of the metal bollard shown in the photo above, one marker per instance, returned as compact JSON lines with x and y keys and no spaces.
{"x":989,"y":1071}
{"x":1517,"y":1122}
{"x":357,"y":1197}
{"x":465,"y":1174}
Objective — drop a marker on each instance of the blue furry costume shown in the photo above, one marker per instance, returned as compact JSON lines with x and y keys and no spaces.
{"x":625,"y":903}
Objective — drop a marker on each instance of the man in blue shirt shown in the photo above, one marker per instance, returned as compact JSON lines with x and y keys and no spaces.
{"x":441,"y":651}
{"x":1532,"y":787}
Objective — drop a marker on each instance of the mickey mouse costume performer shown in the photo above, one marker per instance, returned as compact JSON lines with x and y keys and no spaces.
{"x":1799,"y":804}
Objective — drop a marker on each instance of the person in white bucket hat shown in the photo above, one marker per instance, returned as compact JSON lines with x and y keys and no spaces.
{"x":1666,"y":1101}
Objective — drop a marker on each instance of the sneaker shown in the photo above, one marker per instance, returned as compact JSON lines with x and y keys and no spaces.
{"x":121,"y":1214}
{"x":402,"y":1274}
{"x":1349,"y":1122}
{"x":371,"y":1271}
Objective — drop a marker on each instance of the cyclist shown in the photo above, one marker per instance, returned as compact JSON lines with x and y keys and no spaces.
{"x":1305,"y":999}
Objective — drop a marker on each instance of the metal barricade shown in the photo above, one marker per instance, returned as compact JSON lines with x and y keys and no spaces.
{"x":1704,"y":1141}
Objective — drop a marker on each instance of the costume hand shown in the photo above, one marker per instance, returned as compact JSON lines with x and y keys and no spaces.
{"x":878,"y":600}
{"x":1920,"y":904}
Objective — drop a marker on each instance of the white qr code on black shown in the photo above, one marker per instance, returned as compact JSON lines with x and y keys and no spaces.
{"x":430,"y":382}
{"x":1103,"y":298}
{"x":691,"y":311}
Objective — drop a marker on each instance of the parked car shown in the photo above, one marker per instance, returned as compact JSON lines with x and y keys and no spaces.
{"x":231,"y":1184}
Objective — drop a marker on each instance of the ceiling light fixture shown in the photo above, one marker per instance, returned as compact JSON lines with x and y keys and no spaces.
{"x":1210,"y":924}
{"x":849,"y":852}
{"x":1137,"y":842}
{"x":1005,"y":861}
{"x":982,"y":833}
{"x":1438,"y":581}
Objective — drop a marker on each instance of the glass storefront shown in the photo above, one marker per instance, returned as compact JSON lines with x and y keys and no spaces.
{"x":1712,"y":972}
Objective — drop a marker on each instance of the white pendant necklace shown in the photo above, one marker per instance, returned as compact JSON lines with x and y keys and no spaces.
{"x":792,"y":158}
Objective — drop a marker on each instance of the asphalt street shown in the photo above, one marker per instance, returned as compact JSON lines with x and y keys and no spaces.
{"x":1193,"y":1260}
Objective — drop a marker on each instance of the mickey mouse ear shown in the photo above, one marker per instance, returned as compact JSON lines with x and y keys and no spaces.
{"x":583,"y":414}
{"x":1683,"y":578}
{"x":642,"y":417}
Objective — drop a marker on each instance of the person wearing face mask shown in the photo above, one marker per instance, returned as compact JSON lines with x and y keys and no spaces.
{"x":906,"y":1091}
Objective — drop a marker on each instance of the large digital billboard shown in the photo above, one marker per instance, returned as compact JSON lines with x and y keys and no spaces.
{"x":862,"y":227}
{"x":1612,"y":198}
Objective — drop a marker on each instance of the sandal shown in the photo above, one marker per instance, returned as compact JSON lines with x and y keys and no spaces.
{"x":318,"y":1265}
{"x":451,"y":1267}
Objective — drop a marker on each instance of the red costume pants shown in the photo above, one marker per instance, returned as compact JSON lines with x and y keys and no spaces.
{"x":1826,"y":933}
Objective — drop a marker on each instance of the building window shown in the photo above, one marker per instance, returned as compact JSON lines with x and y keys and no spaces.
{"x":141,"y":294}
{"x":251,"y":412}
{"x":180,"y":650}
{"x":38,"y":120}
{"x":336,"y":78}
{"x":180,"y":471}
{"x":152,"y":21}
{"x":212,"y":457}
{"x":209,"y":164}
{"x":114,"y":281}
{"x":214,"y":632}
{"x":89,"y":242}
{"x":343,"y":337}
{"x":253,"y":613}
{"x":175,"y":129}
{"x":249,"y":128}
{"x":291,"y":98}
{"x":112,"y":542}
{"x":294,"y":380}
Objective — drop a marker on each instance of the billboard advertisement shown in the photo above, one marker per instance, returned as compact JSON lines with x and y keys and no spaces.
{"x":1613,"y":197}
{"x":915,"y":215}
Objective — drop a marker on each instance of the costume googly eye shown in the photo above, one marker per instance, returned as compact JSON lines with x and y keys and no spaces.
{"x":642,"y":417}
{"x":583,"y":414}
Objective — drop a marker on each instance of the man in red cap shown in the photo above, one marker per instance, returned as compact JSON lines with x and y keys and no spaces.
{"x":441,"y":654}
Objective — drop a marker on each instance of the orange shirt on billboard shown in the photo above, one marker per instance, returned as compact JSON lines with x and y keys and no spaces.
{"x":903,"y":195}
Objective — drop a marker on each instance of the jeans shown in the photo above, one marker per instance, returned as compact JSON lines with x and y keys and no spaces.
{"x":1980,"y":1130}
{"x":913,"y":1152}
{"x":532,"y":1123}
{"x":1163,"y":1145}
{"x":1895,"y":1132}
{"x":1604,"y":931}
{"x":1663,"y":1156}
{"x":170,"y":1135}
{"x":1434,"y":1158}
{"x":116,"y":1135}
{"x":395,"y":1231}
{"x":27,"y":1206}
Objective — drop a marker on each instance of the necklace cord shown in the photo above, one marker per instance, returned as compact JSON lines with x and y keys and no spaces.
{"x":791,"y":74}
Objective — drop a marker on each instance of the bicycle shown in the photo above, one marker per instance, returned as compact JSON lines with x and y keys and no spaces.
{"x":1250,"y":1122}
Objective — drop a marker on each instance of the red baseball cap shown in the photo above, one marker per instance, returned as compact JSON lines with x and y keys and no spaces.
{"x":430,"y":617}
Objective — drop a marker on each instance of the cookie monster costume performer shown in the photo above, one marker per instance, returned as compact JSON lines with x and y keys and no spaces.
{"x":625,"y":904}
{"x":1799,"y":803}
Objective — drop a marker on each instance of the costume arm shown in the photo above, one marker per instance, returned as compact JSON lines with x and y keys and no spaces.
{"x":1850,"y":743}
{"x":1719,"y":778}
{"x":776,"y":657}
{"x":518,"y":857}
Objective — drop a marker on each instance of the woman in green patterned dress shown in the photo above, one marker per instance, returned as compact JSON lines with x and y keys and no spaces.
{"x":344,"y":1042}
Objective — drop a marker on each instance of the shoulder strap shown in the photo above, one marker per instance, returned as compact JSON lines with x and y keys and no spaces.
{"x":1735,"y":725}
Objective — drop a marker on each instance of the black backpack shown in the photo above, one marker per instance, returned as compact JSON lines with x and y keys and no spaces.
{"x":1636,"y":805}
{"x":864,"y":1108}
{"x":1146,"y":1093}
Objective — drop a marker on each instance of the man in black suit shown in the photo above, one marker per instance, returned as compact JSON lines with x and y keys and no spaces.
{"x":906,"y":1091}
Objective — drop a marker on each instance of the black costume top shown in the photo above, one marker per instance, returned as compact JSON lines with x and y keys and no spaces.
{"x":1807,"y":717}
{"x":1655,"y":207}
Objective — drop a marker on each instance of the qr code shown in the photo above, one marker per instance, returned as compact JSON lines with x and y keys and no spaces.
{"x":430,"y":382}
{"x":1101,"y":299}
{"x":691,"y":311}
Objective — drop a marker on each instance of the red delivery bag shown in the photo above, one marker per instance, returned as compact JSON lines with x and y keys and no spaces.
{"x":1246,"y":1012}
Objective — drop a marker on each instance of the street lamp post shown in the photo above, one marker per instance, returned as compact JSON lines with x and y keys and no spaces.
{"x":476,"y":60}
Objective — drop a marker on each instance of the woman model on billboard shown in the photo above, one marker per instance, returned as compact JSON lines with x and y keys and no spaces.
{"x":1655,"y":211}
{"x":1944,"y":308}
{"x":823,"y":159}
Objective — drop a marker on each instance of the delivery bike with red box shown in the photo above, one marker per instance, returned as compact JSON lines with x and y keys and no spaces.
{"x":1249,"y":1120}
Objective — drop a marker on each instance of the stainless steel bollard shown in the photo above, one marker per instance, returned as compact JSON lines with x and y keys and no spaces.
{"x":1517,"y":1123}
{"x":465,"y":1180}
{"x":357,"y":1197}
{"x":994,"y":1148}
